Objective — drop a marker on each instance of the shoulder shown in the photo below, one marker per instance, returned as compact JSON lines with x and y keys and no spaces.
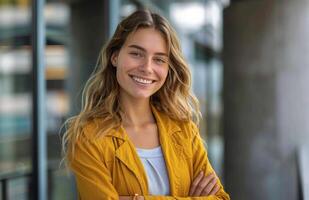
{"x":90,"y":145}
{"x":90,"y":130}
{"x":92,"y":135}
{"x":181,"y":129}
{"x":188,"y":128}
{"x":97,"y":129}
{"x":188,"y":125}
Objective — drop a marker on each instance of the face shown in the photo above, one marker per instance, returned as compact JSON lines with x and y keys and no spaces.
{"x":142,"y":64}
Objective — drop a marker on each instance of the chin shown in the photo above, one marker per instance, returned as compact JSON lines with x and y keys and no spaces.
{"x":142,"y":95}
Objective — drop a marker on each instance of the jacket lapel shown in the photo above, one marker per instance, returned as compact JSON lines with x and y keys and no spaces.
{"x":172,"y":150}
{"x":126,"y":153}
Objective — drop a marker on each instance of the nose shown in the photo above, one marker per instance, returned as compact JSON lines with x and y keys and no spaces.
{"x":146,"y":67}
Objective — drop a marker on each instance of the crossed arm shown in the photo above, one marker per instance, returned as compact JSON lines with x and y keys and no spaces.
{"x":202,"y":185}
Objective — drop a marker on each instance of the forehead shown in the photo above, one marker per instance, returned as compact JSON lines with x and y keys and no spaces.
{"x":148,"y":38}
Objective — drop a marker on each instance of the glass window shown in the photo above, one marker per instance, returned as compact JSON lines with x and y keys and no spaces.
{"x":15,"y":97}
{"x":57,"y":17}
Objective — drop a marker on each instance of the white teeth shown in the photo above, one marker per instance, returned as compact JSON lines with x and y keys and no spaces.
{"x":140,"y":80}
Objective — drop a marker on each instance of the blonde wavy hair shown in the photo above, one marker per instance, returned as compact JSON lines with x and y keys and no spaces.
{"x":100,"y":96}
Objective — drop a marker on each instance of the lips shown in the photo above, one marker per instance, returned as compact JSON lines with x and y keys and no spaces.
{"x":142,"y":80}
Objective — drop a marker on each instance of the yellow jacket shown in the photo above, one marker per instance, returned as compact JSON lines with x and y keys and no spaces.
{"x":109,"y":166}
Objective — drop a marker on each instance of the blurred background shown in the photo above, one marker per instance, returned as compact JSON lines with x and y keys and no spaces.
{"x":250,"y":68}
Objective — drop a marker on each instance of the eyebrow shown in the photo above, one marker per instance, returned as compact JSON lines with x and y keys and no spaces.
{"x":143,"y":49}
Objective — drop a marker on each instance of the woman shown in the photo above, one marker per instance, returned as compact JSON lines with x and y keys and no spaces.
{"x":135,"y":137}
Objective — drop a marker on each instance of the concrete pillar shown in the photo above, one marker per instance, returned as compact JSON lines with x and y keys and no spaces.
{"x":266,"y":96}
{"x":89,"y":29}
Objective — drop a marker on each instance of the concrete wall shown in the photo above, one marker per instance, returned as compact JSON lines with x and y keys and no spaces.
{"x":266,"y":96}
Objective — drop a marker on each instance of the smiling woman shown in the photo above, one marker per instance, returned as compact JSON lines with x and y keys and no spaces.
{"x":136,"y":136}
{"x":141,"y":64}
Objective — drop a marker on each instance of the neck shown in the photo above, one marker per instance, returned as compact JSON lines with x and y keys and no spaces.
{"x":136,"y":113}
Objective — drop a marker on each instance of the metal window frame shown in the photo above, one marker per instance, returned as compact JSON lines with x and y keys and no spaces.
{"x":39,"y":145}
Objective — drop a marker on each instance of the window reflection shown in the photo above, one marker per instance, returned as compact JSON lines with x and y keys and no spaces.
{"x":15,"y":97}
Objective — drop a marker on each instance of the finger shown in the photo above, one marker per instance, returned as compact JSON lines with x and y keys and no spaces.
{"x":215,"y":189}
{"x":203,"y":183}
{"x":196,"y":182}
{"x":209,"y":187}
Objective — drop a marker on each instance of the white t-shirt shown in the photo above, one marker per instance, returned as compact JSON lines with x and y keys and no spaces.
{"x":154,"y":164}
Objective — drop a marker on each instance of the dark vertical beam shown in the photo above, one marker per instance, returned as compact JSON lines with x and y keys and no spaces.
{"x":4,"y":189}
{"x":39,"y":152}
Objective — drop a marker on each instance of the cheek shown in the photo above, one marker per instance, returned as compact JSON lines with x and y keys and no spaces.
{"x":160,"y":69}
{"x":126,"y":63}
{"x":163,"y":73}
{"x":163,"y":77}
{"x":121,"y":74}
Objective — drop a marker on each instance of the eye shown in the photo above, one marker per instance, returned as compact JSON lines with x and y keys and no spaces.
{"x":136,"y":54}
{"x":160,"y":61}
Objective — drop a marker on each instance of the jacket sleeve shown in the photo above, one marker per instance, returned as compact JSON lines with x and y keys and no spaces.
{"x":92,"y":176}
{"x":201,"y":162}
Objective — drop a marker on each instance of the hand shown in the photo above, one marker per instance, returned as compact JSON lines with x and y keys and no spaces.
{"x":204,"y":185}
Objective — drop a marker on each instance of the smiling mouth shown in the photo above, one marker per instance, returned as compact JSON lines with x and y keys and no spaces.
{"x":141,"y":80}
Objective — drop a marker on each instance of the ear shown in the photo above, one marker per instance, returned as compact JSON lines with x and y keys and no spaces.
{"x":114,"y":58}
